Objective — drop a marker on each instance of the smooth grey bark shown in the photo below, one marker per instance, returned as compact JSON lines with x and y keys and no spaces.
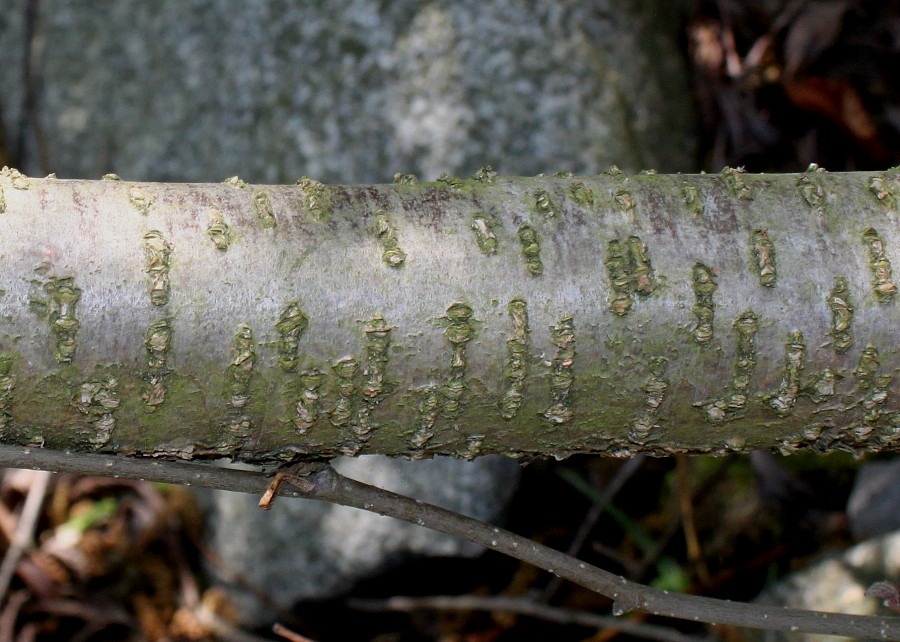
{"x":613,"y":314}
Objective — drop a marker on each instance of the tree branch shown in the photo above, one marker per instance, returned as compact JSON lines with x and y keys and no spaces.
{"x":541,"y":316}
{"x":324,"y":483}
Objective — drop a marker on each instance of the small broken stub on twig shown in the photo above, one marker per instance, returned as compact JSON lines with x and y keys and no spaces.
{"x":268,"y":498}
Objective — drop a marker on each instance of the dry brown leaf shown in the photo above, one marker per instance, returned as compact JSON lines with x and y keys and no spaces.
{"x":838,"y":101}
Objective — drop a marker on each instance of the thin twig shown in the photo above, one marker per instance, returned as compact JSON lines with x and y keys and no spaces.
{"x":322,"y":482}
{"x":24,"y":534}
{"x":526,"y":607}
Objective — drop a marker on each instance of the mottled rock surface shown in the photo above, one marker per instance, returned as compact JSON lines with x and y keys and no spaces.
{"x":346,"y":90}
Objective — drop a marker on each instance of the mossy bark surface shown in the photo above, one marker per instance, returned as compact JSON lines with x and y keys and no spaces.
{"x":546,"y":315}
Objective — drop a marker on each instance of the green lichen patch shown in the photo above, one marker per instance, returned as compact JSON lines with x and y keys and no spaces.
{"x":617,"y":267}
{"x":239,"y":426}
{"x":515,"y":370}
{"x":531,"y":250}
{"x":734,"y":402}
{"x":474,"y":445}
{"x":307,"y":409}
{"x":544,"y":204}
{"x":451,"y":181}
{"x":140,"y":199}
{"x":345,"y":371}
{"x":236,"y":182}
{"x":17,"y":179}
{"x":110,"y":177}
{"x":157,"y":259}
{"x":624,"y":201}
{"x":98,"y":400}
{"x":763,"y":250}
{"x":654,"y":389}
{"x":63,"y":298}
{"x":405,"y":179}
{"x":875,"y":390}
{"x":692,"y":199}
{"x":643,"y":279}
{"x":812,"y":192}
{"x":841,"y":315}
{"x":218,"y":231}
{"x":615,"y":172}
{"x":2,"y":200}
{"x":483,"y":227}
{"x":263,"y":208}
{"x":883,"y":286}
{"x":157,"y":343}
{"x":317,"y":198}
{"x":378,"y":342}
{"x":873,"y":404}
{"x":563,"y":336}
{"x":733,"y":177}
{"x":582,"y":194}
{"x":386,"y":233}
{"x":782,"y":401}
{"x":630,"y":272}
{"x":882,"y":192}
{"x":867,"y":368}
{"x":291,"y":325}
{"x":428,"y":410}
{"x":823,"y":386}
{"x":486,"y":175}
{"x":705,"y":286}
{"x":460,"y":330}
{"x":8,"y":366}
{"x":240,"y":369}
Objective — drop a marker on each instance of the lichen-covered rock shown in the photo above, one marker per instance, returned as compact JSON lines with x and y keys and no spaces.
{"x":346,"y":90}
